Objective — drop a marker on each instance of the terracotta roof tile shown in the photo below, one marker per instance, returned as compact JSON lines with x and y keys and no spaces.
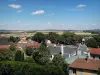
{"x":90,"y":64}
{"x":4,"y":46}
{"x":94,"y":51}
{"x":34,"y":44}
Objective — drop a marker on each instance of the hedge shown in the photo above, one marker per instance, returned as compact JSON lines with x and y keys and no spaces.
{"x":25,"y":68}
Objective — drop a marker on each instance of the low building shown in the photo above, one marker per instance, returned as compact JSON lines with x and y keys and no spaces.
{"x":33,"y":44}
{"x":95,"y":53}
{"x":23,"y":40}
{"x":66,"y":50}
{"x":84,"y":67}
{"x":3,"y":47}
{"x":70,"y":52}
{"x":4,"y":41}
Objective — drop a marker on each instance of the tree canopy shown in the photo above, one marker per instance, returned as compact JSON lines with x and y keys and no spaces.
{"x":14,"y":39}
{"x":42,"y":55}
{"x":58,"y":60}
{"x":29,"y":51}
{"x":39,"y":37}
{"x":92,"y":43}
{"x":52,"y":37}
{"x":12,"y":48}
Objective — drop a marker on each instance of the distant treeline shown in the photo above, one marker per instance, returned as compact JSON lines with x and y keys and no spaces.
{"x":4,"y":32}
{"x":96,"y":31}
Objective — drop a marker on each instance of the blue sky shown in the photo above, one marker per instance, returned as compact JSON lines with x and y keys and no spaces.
{"x":49,"y":14}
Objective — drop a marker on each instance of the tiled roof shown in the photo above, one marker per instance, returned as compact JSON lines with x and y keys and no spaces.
{"x":34,"y":45}
{"x":90,"y":64}
{"x":4,"y":46}
{"x":94,"y":51}
{"x":73,"y":58}
{"x":4,"y":41}
{"x":67,"y":50}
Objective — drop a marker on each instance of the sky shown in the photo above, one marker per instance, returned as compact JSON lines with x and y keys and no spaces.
{"x":49,"y":14}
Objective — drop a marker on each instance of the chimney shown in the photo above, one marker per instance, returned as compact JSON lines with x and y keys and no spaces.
{"x":62,"y":49}
{"x":86,"y":58}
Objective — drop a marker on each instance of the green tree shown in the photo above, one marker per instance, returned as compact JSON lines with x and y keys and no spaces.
{"x":29,"y":51}
{"x":58,"y":60}
{"x":27,"y":38}
{"x":68,"y":37}
{"x":5,"y":55}
{"x":42,"y":55}
{"x":12,"y":48}
{"x":25,"y":68}
{"x":19,"y":56}
{"x":52,"y":37}
{"x":17,"y":39}
{"x":68,"y":34}
{"x":77,"y":39}
{"x":39,"y":37}
{"x":92,"y":43}
{"x":60,"y":39}
{"x":14,"y":39}
{"x":97,"y":38}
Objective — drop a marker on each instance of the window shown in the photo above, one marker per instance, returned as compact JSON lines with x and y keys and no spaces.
{"x":74,"y":71}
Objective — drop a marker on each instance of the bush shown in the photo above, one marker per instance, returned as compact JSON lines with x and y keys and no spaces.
{"x":19,"y":56}
{"x":23,"y":68}
{"x":42,"y":55}
{"x":29,"y":59}
{"x":12,"y":48}
{"x":58,"y":60}
{"x":5,"y":55}
{"x":29,"y":51}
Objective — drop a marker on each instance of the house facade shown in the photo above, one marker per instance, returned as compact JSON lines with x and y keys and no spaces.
{"x":85,"y":67}
{"x":94,"y":53}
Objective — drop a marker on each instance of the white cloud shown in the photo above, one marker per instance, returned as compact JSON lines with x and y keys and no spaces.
{"x":80,"y":6}
{"x":38,"y":12}
{"x":15,"y":6}
{"x":51,"y":14}
{"x":49,"y":22}
{"x":18,"y":21}
{"x":19,"y":11}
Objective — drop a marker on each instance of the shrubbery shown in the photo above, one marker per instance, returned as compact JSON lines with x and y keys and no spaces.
{"x":42,"y":55}
{"x":5,"y":55}
{"x":23,"y":68}
{"x":19,"y":56}
{"x":29,"y":51}
{"x":29,"y":59}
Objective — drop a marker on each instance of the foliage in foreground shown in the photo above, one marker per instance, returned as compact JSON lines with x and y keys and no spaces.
{"x":42,"y":55}
{"x":58,"y":60}
{"x":23,"y":68}
{"x":5,"y":55}
{"x":29,"y":51}
{"x":19,"y":56}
